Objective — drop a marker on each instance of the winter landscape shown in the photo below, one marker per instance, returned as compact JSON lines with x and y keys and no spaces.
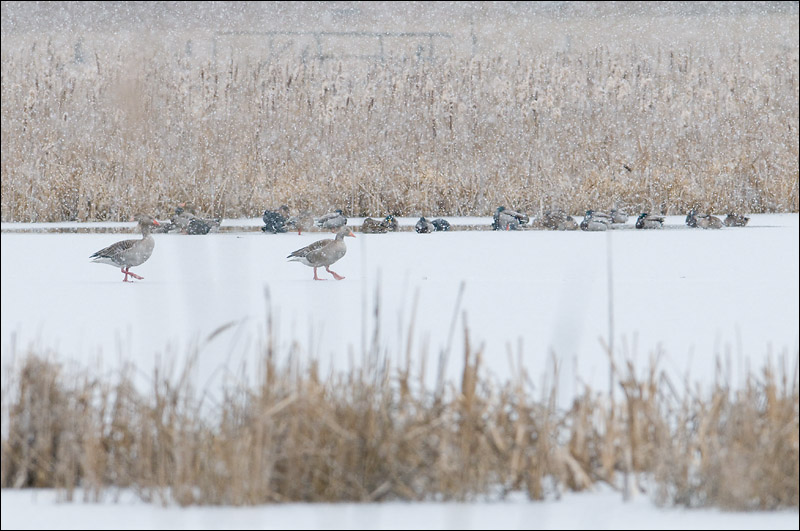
{"x":460,"y":379}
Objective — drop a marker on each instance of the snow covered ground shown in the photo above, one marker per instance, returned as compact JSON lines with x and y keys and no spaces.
{"x":527,"y":295}
{"x":603,"y":509}
{"x":692,"y":293}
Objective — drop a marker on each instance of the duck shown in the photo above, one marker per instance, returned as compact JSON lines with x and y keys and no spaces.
{"x":202,"y":226}
{"x":373,"y":226}
{"x":556,"y":220}
{"x":441,"y":224}
{"x":332,"y":221}
{"x":186,"y":221}
{"x":595,"y":221}
{"x":391,"y":223}
{"x":505,"y":219}
{"x":600,"y":216}
{"x":323,"y":253}
{"x":649,"y":221}
{"x":424,"y":226}
{"x":704,"y":221}
{"x":735,"y":220}
{"x":275,"y":220}
{"x":618,"y":216}
{"x":303,"y":221}
{"x":130,"y":253}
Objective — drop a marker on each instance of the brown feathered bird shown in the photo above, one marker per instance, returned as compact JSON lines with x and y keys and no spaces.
{"x":129,"y":253}
{"x":323,"y":253}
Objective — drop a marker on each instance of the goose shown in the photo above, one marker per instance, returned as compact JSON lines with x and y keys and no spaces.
{"x":323,"y":253}
{"x":505,"y":219}
{"x":303,"y":221}
{"x":736,"y":220}
{"x":649,"y":221}
{"x":424,"y":226}
{"x":129,"y":253}
{"x":704,"y":221}
{"x":332,"y":221}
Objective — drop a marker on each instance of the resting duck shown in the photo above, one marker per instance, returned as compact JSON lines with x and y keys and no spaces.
{"x":556,"y":220}
{"x":373,"y":226}
{"x":704,"y":221}
{"x":618,"y":216}
{"x":736,"y":220}
{"x":441,"y":224}
{"x":203,"y":226}
{"x":391,"y":223}
{"x":187,"y":222}
{"x":505,"y":219}
{"x":332,"y":221}
{"x":129,"y":253}
{"x":275,"y":220}
{"x":424,"y":226}
{"x":323,"y":253}
{"x":649,"y":221}
{"x":595,"y":221}
{"x":599,"y":215}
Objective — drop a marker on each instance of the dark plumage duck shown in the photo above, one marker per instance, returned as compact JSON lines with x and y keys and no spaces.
{"x":505,"y":219}
{"x":185,"y":220}
{"x":424,"y":226}
{"x":441,"y":224}
{"x":323,"y":253}
{"x":332,"y":221}
{"x":129,"y":253}
{"x":649,"y":221}
{"x":735,"y":220}
{"x":704,"y":221}
{"x":275,"y":220}
{"x":391,"y":223}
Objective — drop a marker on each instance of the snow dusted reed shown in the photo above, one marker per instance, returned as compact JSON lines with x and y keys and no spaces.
{"x":378,"y":434}
{"x":656,"y":112}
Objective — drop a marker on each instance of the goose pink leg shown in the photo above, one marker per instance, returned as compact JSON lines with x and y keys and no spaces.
{"x":336,"y":275}
{"x":134,"y":275}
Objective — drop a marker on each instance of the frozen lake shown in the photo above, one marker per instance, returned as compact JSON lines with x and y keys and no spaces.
{"x":691,"y":293}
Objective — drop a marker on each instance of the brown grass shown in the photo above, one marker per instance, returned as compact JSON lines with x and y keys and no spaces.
{"x":377,"y":433}
{"x":655,"y":120}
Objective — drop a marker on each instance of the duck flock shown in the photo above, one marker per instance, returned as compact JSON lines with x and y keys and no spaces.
{"x":324,"y":253}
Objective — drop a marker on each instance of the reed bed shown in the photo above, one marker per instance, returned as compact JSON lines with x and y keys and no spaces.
{"x":378,"y":433}
{"x":120,"y":125}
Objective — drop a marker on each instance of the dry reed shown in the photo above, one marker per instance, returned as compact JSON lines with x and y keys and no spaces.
{"x":125,"y":123}
{"x":377,"y":433}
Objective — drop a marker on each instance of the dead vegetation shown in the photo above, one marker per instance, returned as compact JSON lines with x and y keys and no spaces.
{"x":648,"y":125}
{"x":377,"y":433}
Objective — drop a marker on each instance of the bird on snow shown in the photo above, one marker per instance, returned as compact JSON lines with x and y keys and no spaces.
{"x":129,"y":253}
{"x":649,"y":221}
{"x":323,"y":253}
